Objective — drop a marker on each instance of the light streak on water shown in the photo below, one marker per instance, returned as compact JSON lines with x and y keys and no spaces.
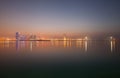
{"x":86,"y":46}
{"x":31,"y":47}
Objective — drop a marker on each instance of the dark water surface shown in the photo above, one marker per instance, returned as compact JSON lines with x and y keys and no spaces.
{"x":86,"y":59}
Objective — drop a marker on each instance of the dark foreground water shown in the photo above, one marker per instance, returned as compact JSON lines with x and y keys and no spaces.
{"x":60,"y":59}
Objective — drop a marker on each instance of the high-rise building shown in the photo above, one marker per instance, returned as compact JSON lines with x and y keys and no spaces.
{"x":17,"y":35}
{"x":22,"y":37}
{"x":33,"y":37}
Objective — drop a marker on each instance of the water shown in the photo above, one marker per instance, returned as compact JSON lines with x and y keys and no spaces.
{"x":60,"y":58}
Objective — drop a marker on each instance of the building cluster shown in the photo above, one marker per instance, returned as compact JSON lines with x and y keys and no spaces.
{"x":25,"y":37}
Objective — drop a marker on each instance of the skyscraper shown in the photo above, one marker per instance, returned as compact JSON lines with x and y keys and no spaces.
{"x":17,"y":35}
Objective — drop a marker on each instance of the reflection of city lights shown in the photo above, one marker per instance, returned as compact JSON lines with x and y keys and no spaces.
{"x":112,"y":45}
{"x":17,"y":45}
{"x":67,"y":43}
{"x":64,"y":42}
{"x":7,"y":44}
{"x":70,"y":43}
{"x":86,"y":45}
{"x":79,"y":44}
{"x":52,"y":43}
{"x":56,"y":43}
{"x":31,"y":46}
{"x":2,"y":44}
{"x":22,"y":43}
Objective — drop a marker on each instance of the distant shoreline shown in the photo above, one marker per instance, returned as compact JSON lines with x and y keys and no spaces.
{"x":65,"y":40}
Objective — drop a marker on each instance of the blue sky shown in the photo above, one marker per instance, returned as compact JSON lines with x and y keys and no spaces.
{"x":60,"y":16}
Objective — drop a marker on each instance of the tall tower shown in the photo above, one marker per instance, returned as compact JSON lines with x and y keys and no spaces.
{"x":17,"y":35}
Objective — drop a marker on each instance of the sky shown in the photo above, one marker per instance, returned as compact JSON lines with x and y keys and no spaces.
{"x":59,"y":16}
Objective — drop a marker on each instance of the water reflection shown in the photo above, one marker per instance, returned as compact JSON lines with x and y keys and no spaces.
{"x":17,"y":45}
{"x":6,"y":44}
{"x":86,"y":46}
{"x":112,"y":45}
{"x":22,"y":44}
{"x":80,"y":44}
{"x":67,"y":43}
{"x":31,"y":45}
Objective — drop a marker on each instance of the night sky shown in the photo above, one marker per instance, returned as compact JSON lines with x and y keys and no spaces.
{"x":59,"y":16}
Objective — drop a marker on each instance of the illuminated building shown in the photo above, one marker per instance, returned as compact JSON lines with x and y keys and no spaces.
{"x":33,"y":37}
{"x":65,"y":37}
{"x":17,"y":35}
{"x":23,"y":37}
{"x":86,"y":38}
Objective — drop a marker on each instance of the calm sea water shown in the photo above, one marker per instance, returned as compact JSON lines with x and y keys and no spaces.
{"x":60,"y":58}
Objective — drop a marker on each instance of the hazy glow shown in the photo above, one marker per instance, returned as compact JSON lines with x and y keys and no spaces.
{"x":86,"y":46}
{"x":74,"y":16}
{"x":112,"y":45}
{"x":31,"y":45}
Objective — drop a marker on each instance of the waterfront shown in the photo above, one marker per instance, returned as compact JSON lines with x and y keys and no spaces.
{"x":60,"y":38}
{"x":61,"y":49}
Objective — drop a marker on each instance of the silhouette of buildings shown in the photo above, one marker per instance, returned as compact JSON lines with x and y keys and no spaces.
{"x":17,"y":35}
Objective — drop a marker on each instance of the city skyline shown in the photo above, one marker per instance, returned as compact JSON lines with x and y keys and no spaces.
{"x":60,"y":38}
